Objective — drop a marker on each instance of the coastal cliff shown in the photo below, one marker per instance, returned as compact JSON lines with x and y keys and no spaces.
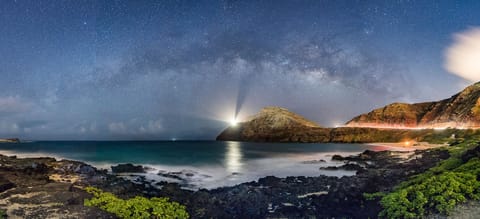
{"x":346,"y":135}
{"x":275,"y":124}
{"x":462,"y":110}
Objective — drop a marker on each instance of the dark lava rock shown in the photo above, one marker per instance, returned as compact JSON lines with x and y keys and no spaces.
{"x":172,"y":175}
{"x":314,"y":161}
{"x":269,"y":181}
{"x":337,"y":157}
{"x":348,"y":166}
{"x":36,"y":168}
{"x":128,"y":168}
{"x":475,"y":152}
{"x":85,"y":169}
{"x":5,"y":184}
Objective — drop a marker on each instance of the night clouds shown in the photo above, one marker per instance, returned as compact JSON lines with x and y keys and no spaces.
{"x":463,"y":57}
{"x":163,"y":70}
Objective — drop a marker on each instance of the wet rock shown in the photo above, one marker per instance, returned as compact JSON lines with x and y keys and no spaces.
{"x":170,"y":175}
{"x":337,"y":157}
{"x":128,"y":168}
{"x":180,"y":175}
{"x":85,"y":169}
{"x":314,"y":161}
{"x":348,"y":166}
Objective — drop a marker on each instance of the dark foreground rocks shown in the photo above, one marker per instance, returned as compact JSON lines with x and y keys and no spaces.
{"x":46,"y":188}
{"x":311,"y":197}
{"x":127,"y":168}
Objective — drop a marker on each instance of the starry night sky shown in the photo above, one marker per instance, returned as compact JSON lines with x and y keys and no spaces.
{"x":180,"y":69}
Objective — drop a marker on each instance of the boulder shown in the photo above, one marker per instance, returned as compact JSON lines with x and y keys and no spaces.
{"x":128,"y":168}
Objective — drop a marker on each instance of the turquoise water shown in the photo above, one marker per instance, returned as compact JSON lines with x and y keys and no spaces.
{"x":213,"y":163}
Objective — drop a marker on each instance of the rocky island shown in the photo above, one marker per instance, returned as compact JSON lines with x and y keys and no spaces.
{"x":9,"y":140}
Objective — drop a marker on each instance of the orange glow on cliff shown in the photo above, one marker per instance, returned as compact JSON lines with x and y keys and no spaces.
{"x":439,"y":126}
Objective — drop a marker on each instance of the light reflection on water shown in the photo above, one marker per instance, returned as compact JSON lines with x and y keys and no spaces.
{"x":233,"y":157}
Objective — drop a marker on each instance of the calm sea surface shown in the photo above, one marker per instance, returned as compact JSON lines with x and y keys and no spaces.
{"x":211,"y":163}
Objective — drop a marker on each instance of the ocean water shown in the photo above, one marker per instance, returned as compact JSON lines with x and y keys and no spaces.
{"x":199,"y":164}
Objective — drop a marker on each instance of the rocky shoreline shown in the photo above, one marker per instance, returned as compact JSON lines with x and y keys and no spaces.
{"x":45,"y":187}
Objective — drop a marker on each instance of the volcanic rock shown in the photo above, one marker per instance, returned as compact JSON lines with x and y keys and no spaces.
{"x":128,"y":168}
{"x":5,"y":184}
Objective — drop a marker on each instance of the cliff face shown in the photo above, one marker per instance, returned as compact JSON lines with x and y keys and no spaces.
{"x":459,"y":111}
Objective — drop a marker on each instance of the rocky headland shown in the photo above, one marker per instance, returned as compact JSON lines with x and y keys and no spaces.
{"x":275,"y":124}
{"x":462,"y":110}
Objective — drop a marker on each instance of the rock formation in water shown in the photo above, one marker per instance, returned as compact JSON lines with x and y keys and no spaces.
{"x":9,"y":140}
{"x":462,"y":110}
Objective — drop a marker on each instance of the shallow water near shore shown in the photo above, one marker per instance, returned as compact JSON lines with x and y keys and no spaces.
{"x":199,"y":164}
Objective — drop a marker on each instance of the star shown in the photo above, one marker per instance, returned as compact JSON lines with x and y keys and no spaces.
{"x":368,"y":31}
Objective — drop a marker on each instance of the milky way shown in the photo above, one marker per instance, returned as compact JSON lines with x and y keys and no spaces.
{"x":182,"y":69}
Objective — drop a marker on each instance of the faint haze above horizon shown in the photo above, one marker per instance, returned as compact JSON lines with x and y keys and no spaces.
{"x":117,"y":70}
